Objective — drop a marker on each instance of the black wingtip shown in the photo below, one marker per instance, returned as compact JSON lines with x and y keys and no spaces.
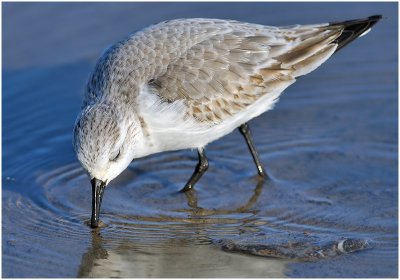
{"x":372,"y":19}
{"x":375,"y":17}
{"x":352,"y":29}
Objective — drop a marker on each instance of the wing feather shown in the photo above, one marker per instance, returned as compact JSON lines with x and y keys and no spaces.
{"x":223,"y":74}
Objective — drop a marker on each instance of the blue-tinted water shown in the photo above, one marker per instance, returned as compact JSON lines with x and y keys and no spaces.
{"x":330,"y":146}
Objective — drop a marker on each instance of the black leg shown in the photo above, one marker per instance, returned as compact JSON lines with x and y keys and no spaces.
{"x":201,"y":167}
{"x":245,"y":130}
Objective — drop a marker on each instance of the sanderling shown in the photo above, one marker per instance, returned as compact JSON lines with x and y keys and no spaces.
{"x":184,"y":83}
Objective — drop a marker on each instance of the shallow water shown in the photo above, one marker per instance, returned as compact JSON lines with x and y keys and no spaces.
{"x":329,"y":146}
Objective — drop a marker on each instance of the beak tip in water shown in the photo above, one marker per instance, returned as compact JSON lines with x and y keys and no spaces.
{"x":94,"y":224}
{"x":98,"y":187}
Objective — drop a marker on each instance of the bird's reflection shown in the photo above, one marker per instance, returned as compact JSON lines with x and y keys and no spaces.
{"x":192,"y":202}
{"x":132,"y":245}
{"x":94,"y":252}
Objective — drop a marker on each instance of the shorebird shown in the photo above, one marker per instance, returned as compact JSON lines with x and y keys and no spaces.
{"x":184,"y":83}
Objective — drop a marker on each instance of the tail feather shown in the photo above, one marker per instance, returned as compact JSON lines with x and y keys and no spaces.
{"x":352,"y":29}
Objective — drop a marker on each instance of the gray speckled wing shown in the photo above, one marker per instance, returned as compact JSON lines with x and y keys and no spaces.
{"x":210,"y":63}
{"x":127,"y":65}
{"x":228,"y":71}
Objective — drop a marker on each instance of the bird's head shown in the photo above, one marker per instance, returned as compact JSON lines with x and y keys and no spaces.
{"x":104,"y":142}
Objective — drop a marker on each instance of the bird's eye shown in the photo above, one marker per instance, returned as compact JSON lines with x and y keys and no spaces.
{"x":115,"y":156}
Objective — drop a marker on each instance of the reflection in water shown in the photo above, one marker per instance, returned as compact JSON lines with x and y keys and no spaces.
{"x":176,"y":254}
{"x":166,"y":246}
{"x":199,"y":211}
{"x":94,"y":252}
{"x":172,"y":258}
{"x":195,"y":214}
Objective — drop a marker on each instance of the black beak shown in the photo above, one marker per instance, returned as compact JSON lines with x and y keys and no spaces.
{"x":98,"y":187}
